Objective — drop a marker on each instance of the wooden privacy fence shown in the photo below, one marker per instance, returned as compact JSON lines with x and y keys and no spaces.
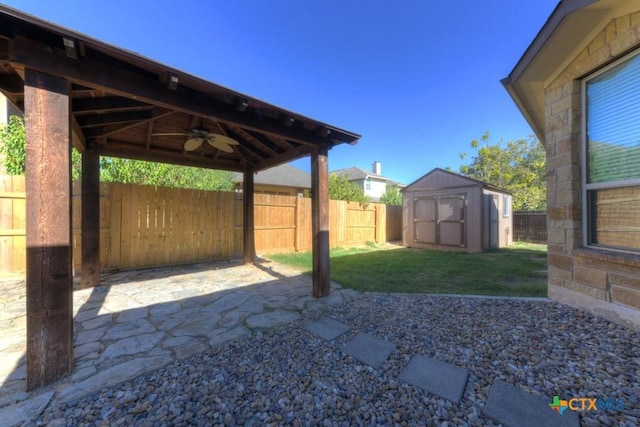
{"x":13,"y":241}
{"x":145,"y":226}
{"x":283,"y":223}
{"x":530,"y":226}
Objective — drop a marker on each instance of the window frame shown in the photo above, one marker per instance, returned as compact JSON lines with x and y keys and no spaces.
{"x":505,"y":206}
{"x":585,"y":186}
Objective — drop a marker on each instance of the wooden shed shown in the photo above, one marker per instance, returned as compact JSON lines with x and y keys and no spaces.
{"x":444,"y":210}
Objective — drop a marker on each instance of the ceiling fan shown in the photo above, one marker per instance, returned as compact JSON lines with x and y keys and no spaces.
{"x":198,"y":134}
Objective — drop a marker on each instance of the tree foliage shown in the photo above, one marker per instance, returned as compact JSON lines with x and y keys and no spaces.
{"x":518,"y":166}
{"x":12,"y":137}
{"x":340,"y":188}
{"x":12,"y":148}
{"x":146,"y":173}
{"x":391,"y":196}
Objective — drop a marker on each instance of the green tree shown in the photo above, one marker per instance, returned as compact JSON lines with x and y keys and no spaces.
{"x":12,"y":149}
{"x":146,"y":173}
{"x":518,"y":166}
{"x":12,"y":136}
{"x":340,"y":188}
{"x":391,"y":197}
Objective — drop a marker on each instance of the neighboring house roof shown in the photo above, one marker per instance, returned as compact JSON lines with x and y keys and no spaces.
{"x":557,"y":43}
{"x":354,"y":174}
{"x":473,"y":181}
{"x":284,"y":175}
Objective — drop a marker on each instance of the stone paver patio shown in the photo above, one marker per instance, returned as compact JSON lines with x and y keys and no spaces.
{"x":138,"y":321}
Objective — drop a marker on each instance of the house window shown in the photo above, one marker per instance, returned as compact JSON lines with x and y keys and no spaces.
{"x":367,"y":184}
{"x":611,"y":155}
{"x":505,"y":206}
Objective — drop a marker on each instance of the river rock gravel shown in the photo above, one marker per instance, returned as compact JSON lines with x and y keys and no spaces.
{"x":289,"y":376}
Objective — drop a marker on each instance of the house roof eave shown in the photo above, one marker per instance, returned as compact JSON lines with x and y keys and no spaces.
{"x":565,"y":29}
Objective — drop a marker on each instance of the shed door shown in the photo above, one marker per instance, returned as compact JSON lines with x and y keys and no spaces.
{"x":440,"y":220}
{"x":451,"y":221}
{"x":425,"y":220}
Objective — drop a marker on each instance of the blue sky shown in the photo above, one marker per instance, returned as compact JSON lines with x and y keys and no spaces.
{"x":418,"y":79}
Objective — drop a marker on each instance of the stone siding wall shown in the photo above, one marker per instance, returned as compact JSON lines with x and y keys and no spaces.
{"x":609,"y":277}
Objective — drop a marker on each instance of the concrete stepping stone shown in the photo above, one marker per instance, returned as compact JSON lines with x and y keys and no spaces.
{"x":511,"y":406}
{"x":440,"y":378}
{"x":369,"y":349}
{"x":328,"y":328}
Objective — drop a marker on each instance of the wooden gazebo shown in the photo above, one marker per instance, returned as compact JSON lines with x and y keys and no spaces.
{"x":107,"y":101}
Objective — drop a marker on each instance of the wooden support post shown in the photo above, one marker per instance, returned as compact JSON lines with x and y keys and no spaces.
{"x":49,"y":276}
{"x":90,"y":217}
{"x":320,"y":221}
{"x":249,"y":244}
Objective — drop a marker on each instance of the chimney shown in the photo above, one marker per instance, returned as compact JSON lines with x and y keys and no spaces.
{"x":377,"y":167}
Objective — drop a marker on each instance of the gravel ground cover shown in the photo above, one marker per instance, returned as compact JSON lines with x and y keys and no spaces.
{"x":289,"y":376}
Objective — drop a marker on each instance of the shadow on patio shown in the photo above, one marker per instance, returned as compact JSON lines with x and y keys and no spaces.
{"x":138,"y":321}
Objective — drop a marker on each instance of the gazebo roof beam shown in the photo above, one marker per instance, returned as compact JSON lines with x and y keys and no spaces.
{"x":120,"y":81}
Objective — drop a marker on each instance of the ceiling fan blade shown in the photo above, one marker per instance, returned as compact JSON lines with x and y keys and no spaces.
{"x":193,"y":144}
{"x":222,"y":142}
{"x":220,"y":146}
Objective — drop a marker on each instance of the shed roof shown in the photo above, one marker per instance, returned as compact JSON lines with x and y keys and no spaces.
{"x":284,"y":175}
{"x":566,"y":31}
{"x":126,"y":104}
{"x":471,"y":181}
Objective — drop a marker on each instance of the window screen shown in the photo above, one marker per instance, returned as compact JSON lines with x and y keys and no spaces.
{"x":613,"y":124}
{"x":612,"y":144}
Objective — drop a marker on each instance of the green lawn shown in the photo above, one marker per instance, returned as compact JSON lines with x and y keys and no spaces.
{"x":515,"y":271}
